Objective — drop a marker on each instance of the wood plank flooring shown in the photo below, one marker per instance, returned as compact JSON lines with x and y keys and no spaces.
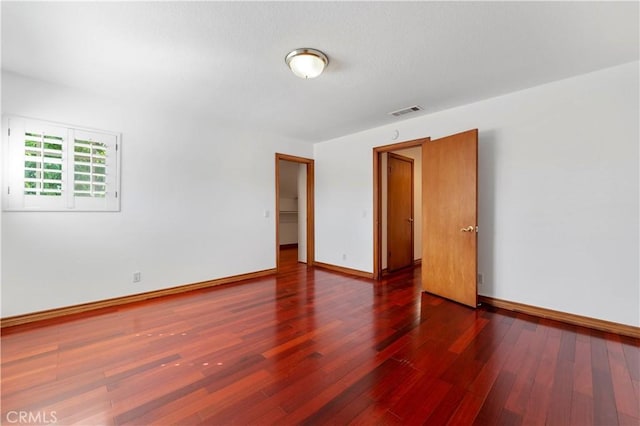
{"x":316,"y":347}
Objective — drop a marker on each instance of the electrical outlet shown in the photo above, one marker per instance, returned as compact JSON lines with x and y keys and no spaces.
{"x":137,"y":277}
{"x":480,"y":279}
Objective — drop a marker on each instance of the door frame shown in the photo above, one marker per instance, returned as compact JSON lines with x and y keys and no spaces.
{"x":310,"y":205}
{"x":411,"y":162}
{"x":377,"y":198}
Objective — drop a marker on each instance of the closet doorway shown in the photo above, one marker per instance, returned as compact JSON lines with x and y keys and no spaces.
{"x":295,"y":207}
{"x":400,"y":212}
{"x":397,"y":206}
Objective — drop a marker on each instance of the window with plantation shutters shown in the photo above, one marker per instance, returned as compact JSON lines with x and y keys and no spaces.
{"x":54,"y":167}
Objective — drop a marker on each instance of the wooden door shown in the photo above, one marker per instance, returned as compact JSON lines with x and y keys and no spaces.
{"x":449,"y":212}
{"x":399,"y":212}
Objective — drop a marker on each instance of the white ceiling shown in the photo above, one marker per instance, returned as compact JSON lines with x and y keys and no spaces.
{"x":225,"y":60}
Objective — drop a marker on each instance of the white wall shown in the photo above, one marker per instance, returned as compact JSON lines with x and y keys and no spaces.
{"x":190,"y":210}
{"x":558,"y":193}
{"x":414,"y":153}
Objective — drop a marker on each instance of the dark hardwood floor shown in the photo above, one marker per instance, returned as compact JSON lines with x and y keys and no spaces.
{"x":316,"y":347}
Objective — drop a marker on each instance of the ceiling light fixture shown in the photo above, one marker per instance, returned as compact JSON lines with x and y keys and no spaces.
{"x":306,"y":63}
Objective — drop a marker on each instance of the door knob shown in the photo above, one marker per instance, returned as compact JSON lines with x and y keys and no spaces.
{"x":410,"y":219}
{"x":469,"y":228}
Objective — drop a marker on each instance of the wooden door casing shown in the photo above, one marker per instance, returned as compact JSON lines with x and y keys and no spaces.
{"x":449,"y":197}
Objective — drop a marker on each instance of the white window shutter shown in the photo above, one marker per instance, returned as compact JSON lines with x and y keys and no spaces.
{"x":95,"y":170}
{"x":54,"y":167}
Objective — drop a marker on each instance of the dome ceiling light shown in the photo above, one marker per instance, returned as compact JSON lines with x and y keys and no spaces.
{"x":306,"y":63}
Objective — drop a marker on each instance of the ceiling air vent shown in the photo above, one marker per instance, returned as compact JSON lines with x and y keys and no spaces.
{"x":407,"y":110}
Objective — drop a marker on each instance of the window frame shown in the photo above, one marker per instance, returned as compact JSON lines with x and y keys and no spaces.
{"x":14,"y":129}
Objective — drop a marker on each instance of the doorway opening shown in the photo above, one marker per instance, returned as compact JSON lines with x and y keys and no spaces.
{"x":397,"y":227}
{"x":294,"y":209}
{"x":400,"y":226}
